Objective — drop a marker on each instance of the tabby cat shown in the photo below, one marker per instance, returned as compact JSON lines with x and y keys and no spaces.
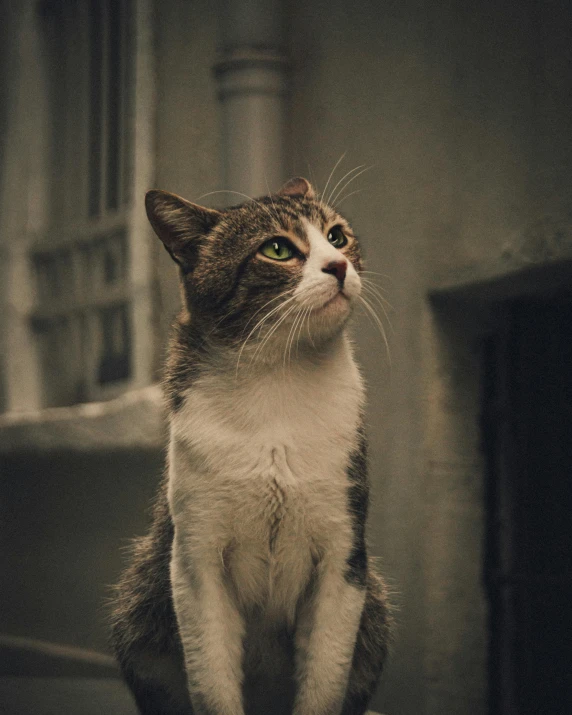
{"x":253,"y":593}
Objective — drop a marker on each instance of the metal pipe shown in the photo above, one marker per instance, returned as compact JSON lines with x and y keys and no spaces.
{"x":251,"y":77}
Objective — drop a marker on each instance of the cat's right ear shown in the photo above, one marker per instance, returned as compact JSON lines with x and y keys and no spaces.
{"x":180,"y":225}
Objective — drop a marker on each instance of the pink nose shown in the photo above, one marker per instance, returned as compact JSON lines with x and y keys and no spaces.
{"x":338,"y":269}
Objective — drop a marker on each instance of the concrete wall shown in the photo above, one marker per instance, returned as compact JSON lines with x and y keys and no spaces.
{"x":188,"y":160}
{"x":65,"y":522}
{"x":463,"y":110}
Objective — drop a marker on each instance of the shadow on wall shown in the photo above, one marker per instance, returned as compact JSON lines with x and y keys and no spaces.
{"x":65,"y":519}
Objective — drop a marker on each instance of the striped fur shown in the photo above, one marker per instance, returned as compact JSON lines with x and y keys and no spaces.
{"x":253,"y":592}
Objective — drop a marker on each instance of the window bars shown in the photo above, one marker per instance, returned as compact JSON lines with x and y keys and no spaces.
{"x":82,"y":316}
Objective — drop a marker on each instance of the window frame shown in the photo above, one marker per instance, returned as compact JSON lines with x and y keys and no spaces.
{"x":27,"y":230}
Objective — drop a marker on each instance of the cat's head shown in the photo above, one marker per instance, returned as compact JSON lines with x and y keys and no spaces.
{"x":282,"y":267}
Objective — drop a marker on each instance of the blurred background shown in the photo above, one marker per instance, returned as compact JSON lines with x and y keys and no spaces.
{"x":462,"y":114}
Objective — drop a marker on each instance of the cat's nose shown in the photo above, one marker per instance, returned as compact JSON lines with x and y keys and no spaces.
{"x":338,"y":269}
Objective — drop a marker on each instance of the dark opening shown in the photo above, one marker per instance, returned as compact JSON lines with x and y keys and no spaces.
{"x":527,"y":439}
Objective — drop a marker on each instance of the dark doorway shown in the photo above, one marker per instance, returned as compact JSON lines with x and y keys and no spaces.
{"x":527,"y":439}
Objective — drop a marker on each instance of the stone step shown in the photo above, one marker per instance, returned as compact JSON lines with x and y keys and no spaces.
{"x":64,"y":696}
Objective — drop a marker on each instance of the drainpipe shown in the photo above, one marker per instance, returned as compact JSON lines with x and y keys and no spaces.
{"x":251,"y":77}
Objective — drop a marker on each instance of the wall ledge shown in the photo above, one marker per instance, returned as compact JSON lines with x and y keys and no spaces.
{"x":135,"y":420}
{"x":31,"y":657}
{"x":505,"y":279}
{"x":532,"y":261}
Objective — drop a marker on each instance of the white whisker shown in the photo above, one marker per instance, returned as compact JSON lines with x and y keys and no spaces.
{"x":349,"y":173}
{"x":322,"y":194}
{"x":373,"y":288}
{"x":348,"y":182}
{"x":347,"y":196}
{"x":271,"y":332}
{"x":375,"y":273}
{"x":373,"y":296}
{"x":262,"y":321}
{"x":290,"y":340}
{"x":371,"y":312}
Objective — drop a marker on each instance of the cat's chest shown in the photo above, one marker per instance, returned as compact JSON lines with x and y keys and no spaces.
{"x":259,"y":458}
{"x":260,"y":474}
{"x":238,"y":432}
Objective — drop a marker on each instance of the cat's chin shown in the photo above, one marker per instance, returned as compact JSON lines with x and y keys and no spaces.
{"x":339,"y":304}
{"x":329,"y":318}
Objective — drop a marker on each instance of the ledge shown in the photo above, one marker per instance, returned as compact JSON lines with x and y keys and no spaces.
{"x":503,"y":280}
{"x":534,"y":262}
{"x":133,"y":421}
{"x":35,"y":658}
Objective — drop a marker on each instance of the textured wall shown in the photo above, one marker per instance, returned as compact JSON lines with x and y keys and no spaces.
{"x":188,"y":160}
{"x":65,"y":520}
{"x":463,"y":110}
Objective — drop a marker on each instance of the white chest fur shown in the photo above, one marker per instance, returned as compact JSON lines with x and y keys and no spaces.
{"x":258,"y":474}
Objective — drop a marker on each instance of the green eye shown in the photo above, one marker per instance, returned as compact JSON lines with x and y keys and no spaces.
{"x":277,"y":248}
{"x":336,"y":237}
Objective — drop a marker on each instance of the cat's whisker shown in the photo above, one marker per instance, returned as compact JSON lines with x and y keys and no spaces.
{"x":323,"y":193}
{"x":312,"y":178}
{"x":373,"y":288}
{"x":267,"y":338}
{"x":373,"y":283}
{"x":378,"y":302}
{"x":275,"y":327}
{"x":274,"y":207}
{"x":309,"y":333}
{"x":262,"y":321}
{"x":278,"y":297}
{"x":299,"y":327}
{"x":265,"y":342}
{"x":266,"y":316}
{"x":377,"y":290}
{"x":376,"y":320}
{"x":225,"y":316}
{"x":347,"y":196}
{"x":382,"y":303}
{"x":297,"y":323}
{"x":348,"y":182}
{"x":375,"y":273}
{"x":349,"y":173}
{"x":291,"y":333}
{"x":306,"y":317}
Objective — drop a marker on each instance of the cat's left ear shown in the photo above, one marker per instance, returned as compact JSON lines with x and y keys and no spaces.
{"x":181,"y":225}
{"x":298,"y":187}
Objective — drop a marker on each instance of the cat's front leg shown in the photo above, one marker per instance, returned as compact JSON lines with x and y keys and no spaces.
{"x":211,"y":630}
{"x":325,"y":640}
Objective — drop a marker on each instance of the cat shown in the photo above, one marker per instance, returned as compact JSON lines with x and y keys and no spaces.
{"x":253,"y":592}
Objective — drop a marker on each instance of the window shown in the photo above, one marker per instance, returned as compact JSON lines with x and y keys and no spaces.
{"x":80,"y":277}
{"x":81,"y":318}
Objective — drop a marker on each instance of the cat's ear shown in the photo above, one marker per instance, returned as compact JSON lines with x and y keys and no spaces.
{"x":298,"y":187}
{"x":180,"y":225}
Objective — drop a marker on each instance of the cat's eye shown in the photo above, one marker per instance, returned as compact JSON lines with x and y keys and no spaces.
{"x":337,"y":237}
{"x":280,"y":249}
